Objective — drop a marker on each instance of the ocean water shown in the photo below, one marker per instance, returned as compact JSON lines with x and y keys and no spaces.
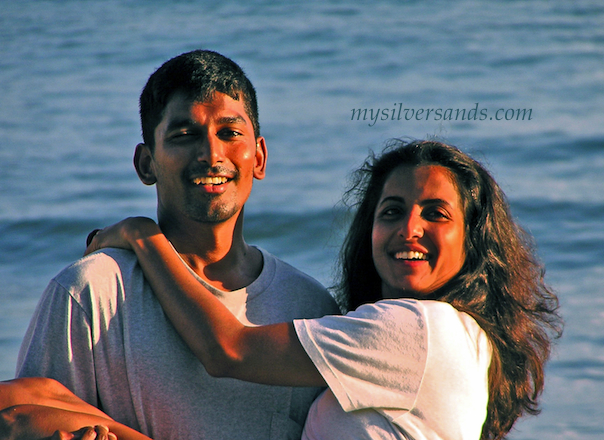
{"x":334,"y":80}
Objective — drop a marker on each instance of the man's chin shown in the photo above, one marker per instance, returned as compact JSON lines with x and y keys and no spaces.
{"x":220,"y":214}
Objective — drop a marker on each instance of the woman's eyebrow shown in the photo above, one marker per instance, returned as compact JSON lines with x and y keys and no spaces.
{"x":397,"y":199}
{"x":435,"y":201}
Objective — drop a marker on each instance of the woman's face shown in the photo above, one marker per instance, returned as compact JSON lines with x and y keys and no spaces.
{"x":418,"y":231}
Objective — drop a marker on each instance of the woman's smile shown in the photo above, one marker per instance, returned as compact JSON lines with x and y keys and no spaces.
{"x":418,"y":231}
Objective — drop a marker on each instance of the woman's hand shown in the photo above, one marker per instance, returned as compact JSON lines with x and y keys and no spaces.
{"x":99,"y":432}
{"x":121,"y":235}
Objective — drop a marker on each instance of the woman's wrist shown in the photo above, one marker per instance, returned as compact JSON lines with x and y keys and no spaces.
{"x":138,"y":231}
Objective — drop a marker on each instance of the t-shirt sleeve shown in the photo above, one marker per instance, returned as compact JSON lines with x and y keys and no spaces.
{"x":58,"y":343}
{"x":373,"y":357}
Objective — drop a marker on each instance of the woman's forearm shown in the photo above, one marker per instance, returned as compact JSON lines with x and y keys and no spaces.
{"x":40,"y":422}
{"x":269,"y":354}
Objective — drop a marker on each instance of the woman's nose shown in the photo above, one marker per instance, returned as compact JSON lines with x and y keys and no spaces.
{"x":412,"y":226}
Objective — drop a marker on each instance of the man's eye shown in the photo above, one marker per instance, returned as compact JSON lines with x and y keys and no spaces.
{"x":181,"y":135}
{"x":228,"y":133}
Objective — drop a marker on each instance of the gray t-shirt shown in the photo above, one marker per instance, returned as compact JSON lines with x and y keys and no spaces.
{"x":99,"y":330}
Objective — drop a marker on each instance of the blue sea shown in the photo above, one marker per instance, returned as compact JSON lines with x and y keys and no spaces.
{"x":517,"y":84}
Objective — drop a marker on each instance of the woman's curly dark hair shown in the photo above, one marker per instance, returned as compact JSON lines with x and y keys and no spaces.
{"x":501,"y":283}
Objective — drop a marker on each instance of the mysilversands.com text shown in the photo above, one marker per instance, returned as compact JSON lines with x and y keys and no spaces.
{"x":400,"y":113}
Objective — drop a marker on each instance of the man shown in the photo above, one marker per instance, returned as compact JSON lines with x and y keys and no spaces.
{"x":98,"y":328}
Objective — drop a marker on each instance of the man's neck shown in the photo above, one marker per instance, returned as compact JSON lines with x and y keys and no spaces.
{"x":217,"y":252}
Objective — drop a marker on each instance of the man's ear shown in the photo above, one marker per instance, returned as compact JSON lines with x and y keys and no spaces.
{"x":261,"y":156}
{"x":143,"y":163}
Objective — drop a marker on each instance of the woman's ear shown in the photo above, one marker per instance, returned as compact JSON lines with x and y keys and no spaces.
{"x":143,"y":163}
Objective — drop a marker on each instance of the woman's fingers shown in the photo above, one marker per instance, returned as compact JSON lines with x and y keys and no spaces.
{"x":102,"y":433}
{"x":98,"y":432}
{"x":91,"y":236}
{"x":62,"y":435}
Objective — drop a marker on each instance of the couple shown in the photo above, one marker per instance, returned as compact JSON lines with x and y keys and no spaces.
{"x":448,"y":330}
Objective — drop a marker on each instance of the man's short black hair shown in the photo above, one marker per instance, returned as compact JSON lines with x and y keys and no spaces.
{"x":198,"y":74}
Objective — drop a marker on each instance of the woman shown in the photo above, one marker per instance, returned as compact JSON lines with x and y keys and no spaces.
{"x":38,"y":408}
{"x":451,"y":319}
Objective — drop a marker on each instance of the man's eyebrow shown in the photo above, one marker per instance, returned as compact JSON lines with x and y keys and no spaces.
{"x":180,"y":123}
{"x":231,"y":120}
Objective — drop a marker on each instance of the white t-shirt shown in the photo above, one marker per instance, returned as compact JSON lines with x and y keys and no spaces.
{"x":398,"y":369}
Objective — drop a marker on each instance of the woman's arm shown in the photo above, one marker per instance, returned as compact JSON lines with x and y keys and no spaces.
{"x":43,"y":391}
{"x":37,"y":407}
{"x":41,"y":422}
{"x":270,"y":354}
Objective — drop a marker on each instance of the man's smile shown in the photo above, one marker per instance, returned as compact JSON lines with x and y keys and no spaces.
{"x":218,"y":180}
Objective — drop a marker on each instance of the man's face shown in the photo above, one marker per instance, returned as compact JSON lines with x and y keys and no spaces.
{"x":205,"y":159}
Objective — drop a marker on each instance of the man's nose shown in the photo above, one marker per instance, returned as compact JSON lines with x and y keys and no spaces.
{"x":211,"y":150}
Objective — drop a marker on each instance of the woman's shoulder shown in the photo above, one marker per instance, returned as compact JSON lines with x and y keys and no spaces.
{"x":456,"y":332}
{"x":442,"y":320}
{"x":441,"y":313}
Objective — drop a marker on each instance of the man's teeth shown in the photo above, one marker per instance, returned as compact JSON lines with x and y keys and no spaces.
{"x":209,"y":180}
{"x":410,"y":255}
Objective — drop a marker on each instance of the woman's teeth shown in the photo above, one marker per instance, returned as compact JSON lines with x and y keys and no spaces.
{"x":410,"y":255}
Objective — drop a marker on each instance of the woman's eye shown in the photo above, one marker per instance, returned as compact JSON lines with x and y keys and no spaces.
{"x":390,"y":212}
{"x":436,"y":214}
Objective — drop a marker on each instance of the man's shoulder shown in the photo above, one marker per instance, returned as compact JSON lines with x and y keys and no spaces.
{"x":98,"y":281}
{"x":286,"y":273}
{"x":298,"y":289}
{"x":97,"y":267}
